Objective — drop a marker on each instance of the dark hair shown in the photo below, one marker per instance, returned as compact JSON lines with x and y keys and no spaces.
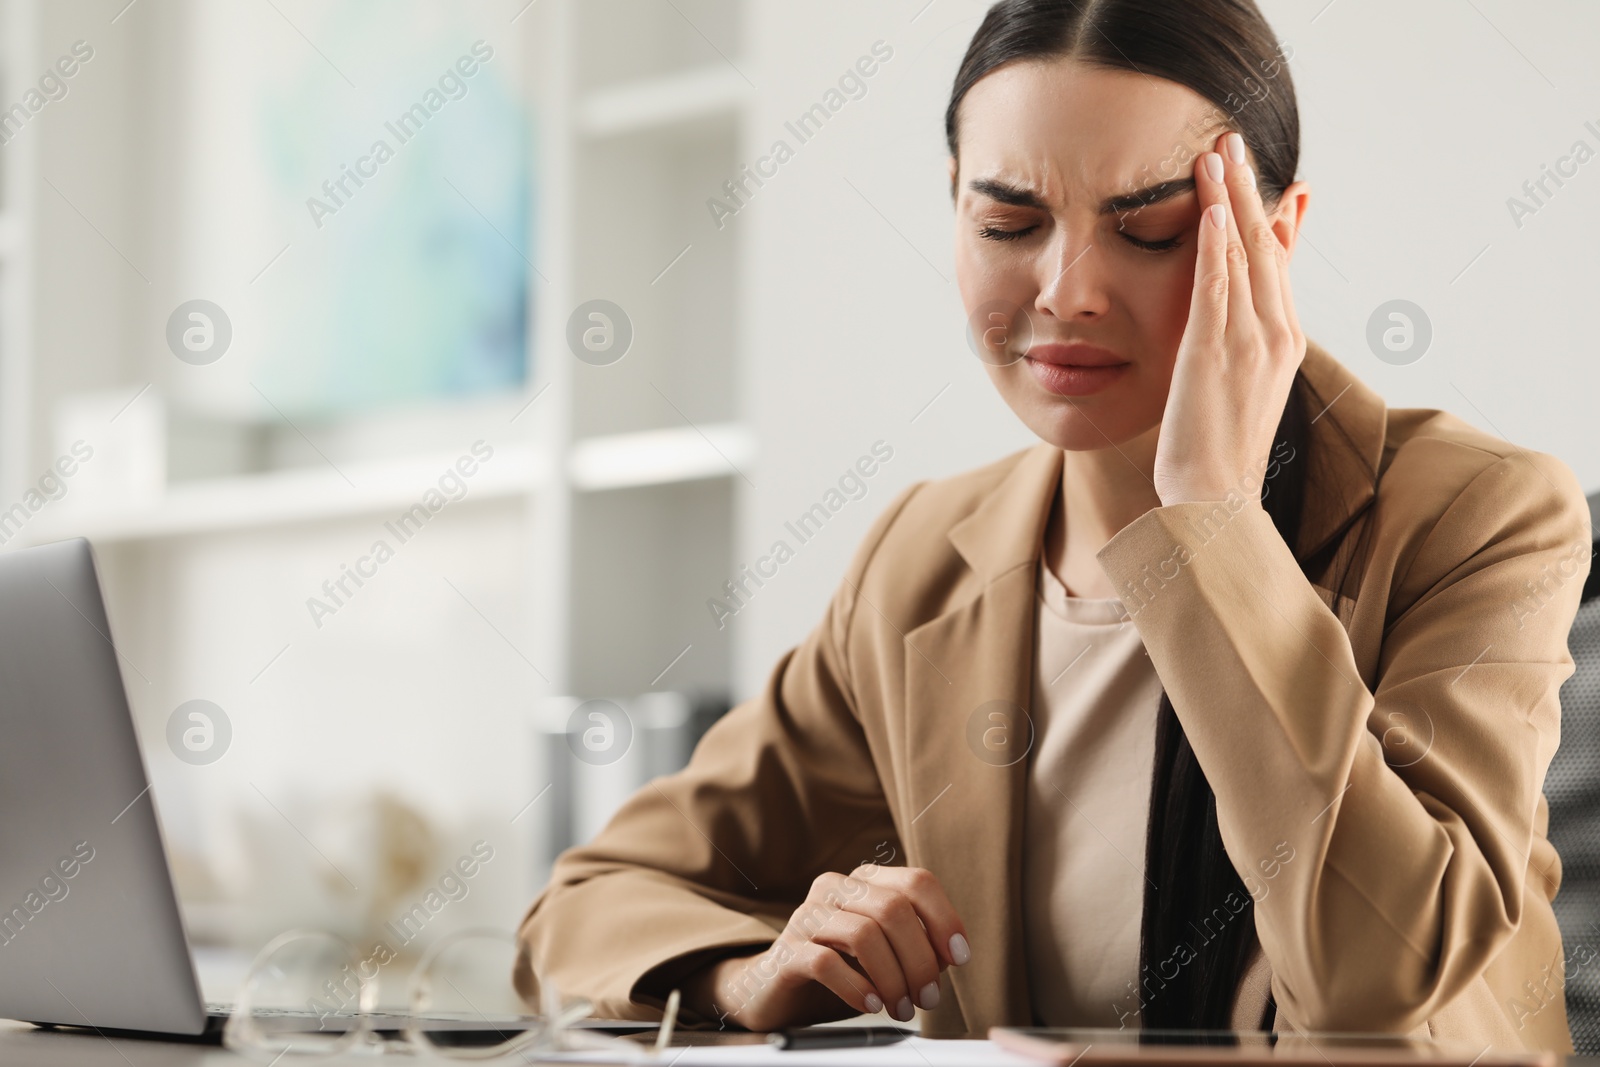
{"x":1221,"y":49}
{"x":1224,"y":51}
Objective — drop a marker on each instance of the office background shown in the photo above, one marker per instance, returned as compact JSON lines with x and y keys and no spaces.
{"x":404,"y":337}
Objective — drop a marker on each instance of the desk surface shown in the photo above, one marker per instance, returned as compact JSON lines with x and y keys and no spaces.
{"x":23,"y":1044}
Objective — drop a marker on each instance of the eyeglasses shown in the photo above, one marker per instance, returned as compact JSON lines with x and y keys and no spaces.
{"x":314,"y":994}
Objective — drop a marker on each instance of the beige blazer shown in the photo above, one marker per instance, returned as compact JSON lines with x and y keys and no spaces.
{"x":1391,"y":733}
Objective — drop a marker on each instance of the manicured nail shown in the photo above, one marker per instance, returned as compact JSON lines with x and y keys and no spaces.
{"x":929,"y":997}
{"x":1235,"y":145}
{"x":874,"y":1005}
{"x":1218,"y":216}
{"x":960,"y":951}
{"x":1214,"y":166}
{"x":903,"y":1011}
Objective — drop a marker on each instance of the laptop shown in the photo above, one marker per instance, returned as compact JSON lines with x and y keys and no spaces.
{"x":90,"y":930}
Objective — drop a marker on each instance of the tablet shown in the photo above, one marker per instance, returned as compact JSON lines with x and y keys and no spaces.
{"x":1204,"y":1048}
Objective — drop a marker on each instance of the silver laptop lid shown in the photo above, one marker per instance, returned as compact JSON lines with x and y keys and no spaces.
{"x":90,"y":932}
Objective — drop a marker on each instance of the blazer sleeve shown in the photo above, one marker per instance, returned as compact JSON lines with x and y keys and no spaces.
{"x":713,"y":860}
{"x":1410,"y":814}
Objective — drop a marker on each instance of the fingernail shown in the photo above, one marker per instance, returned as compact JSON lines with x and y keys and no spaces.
{"x":929,"y":997}
{"x":903,"y":1011}
{"x":1214,"y":166}
{"x":1218,"y":216}
{"x":960,"y":951}
{"x":1235,"y":145}
{"x":874,"y":1005}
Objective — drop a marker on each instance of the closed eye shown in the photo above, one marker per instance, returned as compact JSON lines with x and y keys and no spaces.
{"x":994,"y":233}
{"x":1165,"y":245}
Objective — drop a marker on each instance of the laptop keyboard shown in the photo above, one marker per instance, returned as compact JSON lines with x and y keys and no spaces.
{"x":223,"y":1009}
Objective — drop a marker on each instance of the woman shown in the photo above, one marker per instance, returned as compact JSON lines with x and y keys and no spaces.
{"x":1296,"y":786}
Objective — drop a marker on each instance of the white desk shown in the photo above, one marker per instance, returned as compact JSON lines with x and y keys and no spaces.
{"x":23,"y":1045}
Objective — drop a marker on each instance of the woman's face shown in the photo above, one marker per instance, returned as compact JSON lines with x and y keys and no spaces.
{"x":1044,"y":149}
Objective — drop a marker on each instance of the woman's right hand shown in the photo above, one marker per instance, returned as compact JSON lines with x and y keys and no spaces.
{"x":879,"y":936}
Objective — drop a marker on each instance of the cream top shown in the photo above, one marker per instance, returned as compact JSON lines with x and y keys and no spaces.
{"x":1095,"y":697}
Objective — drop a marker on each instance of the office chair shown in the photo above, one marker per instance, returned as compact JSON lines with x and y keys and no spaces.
{"x":1572,"y":787}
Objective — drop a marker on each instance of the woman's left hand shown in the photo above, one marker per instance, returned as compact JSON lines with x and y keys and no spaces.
{"x":1240,"y":349}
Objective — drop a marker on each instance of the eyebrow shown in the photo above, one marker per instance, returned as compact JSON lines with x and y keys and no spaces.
{"x":1016,"y":196}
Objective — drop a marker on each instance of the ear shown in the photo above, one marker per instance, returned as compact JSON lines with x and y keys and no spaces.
{"x":952,"y":169}
{"x":1290,"y":214}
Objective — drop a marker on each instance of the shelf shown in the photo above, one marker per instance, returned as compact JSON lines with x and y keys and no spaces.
{"x":251,"y":501}
{"x":658,"y":457}
{"x":655,"y":103}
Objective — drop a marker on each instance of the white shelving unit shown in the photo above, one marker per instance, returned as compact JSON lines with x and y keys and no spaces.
{"x":619,"y":485}
{"x":655,"y":125}
{"x":621,"y":157}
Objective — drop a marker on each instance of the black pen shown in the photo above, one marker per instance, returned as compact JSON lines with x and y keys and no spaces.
{"x":809,"y":1037}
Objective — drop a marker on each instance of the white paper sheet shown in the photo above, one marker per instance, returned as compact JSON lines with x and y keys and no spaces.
{"x":912,"y":1052}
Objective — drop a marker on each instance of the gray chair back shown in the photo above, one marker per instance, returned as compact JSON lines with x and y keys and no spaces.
{"x":1573,"y":789}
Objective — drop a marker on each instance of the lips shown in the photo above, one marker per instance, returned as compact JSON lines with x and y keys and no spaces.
{"x":1075,"y":355}
{"x":1074,"y":370}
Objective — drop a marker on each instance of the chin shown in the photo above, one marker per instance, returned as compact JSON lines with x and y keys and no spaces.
{"x":1063,"y":423}
{"x":1073,"y":433}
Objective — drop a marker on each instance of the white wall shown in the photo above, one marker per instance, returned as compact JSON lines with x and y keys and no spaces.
{"x":1418,"y":121}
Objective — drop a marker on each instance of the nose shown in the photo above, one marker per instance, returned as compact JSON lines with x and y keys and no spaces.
{"x":1072,"y":284}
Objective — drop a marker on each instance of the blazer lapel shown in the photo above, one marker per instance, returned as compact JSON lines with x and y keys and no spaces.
{"x":968,"y":693}
{"x":1349,"y":425}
